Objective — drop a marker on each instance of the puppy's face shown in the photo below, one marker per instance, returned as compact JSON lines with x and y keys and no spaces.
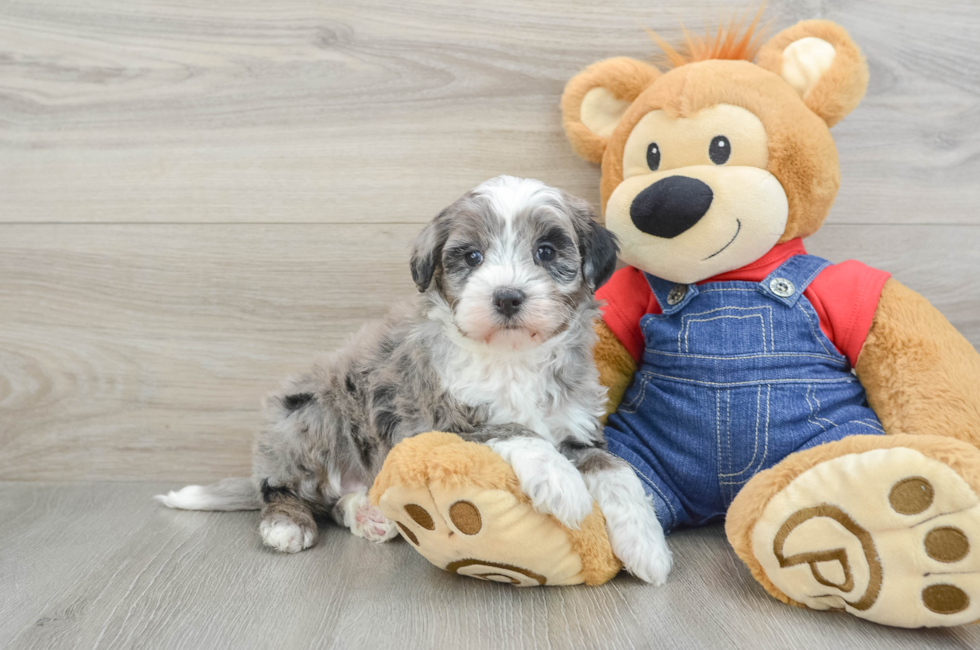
{"x":512,"y":260}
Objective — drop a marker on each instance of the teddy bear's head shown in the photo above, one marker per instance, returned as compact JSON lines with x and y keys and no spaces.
{"x":709,"y":165}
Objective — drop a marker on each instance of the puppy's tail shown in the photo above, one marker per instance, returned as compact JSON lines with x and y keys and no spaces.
{"x":228,"y":494}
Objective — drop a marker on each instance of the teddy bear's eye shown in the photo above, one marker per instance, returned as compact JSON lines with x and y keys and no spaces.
{"x":653,"y":156}
{"x":720,"y":150}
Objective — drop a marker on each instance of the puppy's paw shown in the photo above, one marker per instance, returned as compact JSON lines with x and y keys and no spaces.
{"x":635,"y":533}
{"x":549,"y":479}
{"x":283,"y":534}
{"x":365,"y":520}
{"x":645,"y":555}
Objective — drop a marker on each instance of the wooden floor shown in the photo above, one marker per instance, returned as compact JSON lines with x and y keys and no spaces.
{"x":97,"y":566}
{"x":196,"y":196}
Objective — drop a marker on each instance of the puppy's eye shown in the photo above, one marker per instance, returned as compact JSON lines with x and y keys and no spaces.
{"x":473,"y":258}
{"x":653,"y":156}
{"x":546,"y":253}
{"x":720,"y":150}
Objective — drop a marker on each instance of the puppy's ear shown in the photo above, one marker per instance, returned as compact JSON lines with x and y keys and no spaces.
{"x":597,"y":246}
{"x":427,"y":250}
{"x":821,"y":62}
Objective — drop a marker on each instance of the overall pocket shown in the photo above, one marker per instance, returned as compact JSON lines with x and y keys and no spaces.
{"x":634,"y":395}
{"x":742,"y":419}
{"x":727,"y":330}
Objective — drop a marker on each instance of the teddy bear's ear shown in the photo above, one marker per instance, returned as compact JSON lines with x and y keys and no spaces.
{"x":821,"y":62}
{"x":596,"y":99}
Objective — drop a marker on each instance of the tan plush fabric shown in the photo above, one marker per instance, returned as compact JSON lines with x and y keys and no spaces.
{"x":921,"y":375}
{"x":623,"y":78}
{"x":460,"y":506}
{"x":840,"y":88}
{"x":616,"y":365}
{"x":802,"y":154}
{"x":601,"y":111}
{"x":861,"y":510}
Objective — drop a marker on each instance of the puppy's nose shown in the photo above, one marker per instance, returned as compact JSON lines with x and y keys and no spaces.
{"x":671,"y":206}
{"x":508,"y":301}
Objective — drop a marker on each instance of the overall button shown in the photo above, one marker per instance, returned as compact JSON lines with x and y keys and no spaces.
{"x":676,"y":294}
{"x":782,"y":287}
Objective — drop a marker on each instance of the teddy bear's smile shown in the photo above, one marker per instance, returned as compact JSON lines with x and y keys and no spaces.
{"x":738,"y":229}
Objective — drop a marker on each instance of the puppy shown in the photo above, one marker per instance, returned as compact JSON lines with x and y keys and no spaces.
{"x":497,"y":348}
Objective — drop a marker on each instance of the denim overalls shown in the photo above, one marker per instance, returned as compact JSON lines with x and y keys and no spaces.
{"x":735,"y":376}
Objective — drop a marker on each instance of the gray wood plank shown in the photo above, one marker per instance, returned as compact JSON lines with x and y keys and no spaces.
{"x":140,"y":347}
{"x":372,"y":111}
{"x":101,"y":566}
{"x":134,"y":352}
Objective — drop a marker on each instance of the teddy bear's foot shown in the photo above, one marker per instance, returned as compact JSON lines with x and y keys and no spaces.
{"x":460,"y":506}
{"x":886,"y":528}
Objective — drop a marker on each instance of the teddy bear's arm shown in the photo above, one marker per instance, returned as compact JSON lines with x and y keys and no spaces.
{"x":920,"y":374}
{"x":616,"y":365}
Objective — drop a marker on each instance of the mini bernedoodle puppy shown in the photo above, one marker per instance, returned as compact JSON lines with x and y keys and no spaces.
{"x":497,"y":348}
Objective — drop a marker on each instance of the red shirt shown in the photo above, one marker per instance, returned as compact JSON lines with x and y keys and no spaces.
{"x":845,"y":297}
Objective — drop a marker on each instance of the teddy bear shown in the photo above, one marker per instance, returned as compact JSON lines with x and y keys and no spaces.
{"x":827,"y":414}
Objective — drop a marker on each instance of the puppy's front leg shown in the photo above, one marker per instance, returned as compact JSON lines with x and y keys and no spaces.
{"x":287,"y":521}
{"x":549,"y":479}
{"x":635,"y":533}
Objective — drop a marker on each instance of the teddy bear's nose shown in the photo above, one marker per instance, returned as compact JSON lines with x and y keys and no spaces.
{"x":671,"y":206}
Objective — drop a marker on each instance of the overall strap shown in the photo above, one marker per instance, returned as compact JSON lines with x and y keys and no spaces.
{"x":788,"y":282}
{"x":671,"y":296}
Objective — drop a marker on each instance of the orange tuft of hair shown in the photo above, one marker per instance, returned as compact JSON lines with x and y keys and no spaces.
{"x":729,"y":43}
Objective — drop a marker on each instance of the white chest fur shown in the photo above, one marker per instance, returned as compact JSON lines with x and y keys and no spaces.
{"x":520,"y":388}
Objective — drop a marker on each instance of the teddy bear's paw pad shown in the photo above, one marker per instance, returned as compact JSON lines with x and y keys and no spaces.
{"x":483,"y":533}
{"x":497,"y":572}
{"x":889,"y":535}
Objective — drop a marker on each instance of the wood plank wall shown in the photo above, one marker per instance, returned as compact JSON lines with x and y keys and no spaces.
{"x":195,"y":197}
